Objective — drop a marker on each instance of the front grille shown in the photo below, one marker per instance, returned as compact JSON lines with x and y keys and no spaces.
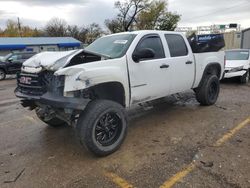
{"x":38,"y":84}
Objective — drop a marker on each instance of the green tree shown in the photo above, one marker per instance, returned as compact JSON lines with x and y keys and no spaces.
{"x":169,"y":21}
{"x":15,"y":29}
{"x":150,"y":18}
{"x":11,"y":29}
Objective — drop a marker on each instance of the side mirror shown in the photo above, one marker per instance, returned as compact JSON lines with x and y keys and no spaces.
{"x":145,"y":53}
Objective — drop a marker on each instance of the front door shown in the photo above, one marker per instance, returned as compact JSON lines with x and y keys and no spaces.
{"x":149,"y":78}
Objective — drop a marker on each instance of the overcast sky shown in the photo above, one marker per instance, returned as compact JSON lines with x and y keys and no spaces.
{"x":82,"y":12}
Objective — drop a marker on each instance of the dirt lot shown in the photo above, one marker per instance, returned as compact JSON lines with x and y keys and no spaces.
{"x":175,"y":138}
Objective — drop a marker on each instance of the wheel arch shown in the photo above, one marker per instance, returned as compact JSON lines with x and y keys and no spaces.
{"x":211,"y":68}
{"x":113,"y":91}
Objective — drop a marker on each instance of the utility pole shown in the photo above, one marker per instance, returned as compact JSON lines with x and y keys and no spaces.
{"x":19,"y":27}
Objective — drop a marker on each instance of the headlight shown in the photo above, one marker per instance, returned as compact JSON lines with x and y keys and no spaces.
{"x":236,"y":69}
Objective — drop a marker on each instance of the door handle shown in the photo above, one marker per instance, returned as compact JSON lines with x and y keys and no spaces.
{"x":164,"y":66}
{"x":189,"y":62}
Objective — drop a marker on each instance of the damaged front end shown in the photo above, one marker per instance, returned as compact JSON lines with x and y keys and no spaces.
{"x":39,"y":88}
{"x":47,"y":89}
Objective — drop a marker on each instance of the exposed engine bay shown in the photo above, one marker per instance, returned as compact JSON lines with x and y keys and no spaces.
{"x":53,"y":61}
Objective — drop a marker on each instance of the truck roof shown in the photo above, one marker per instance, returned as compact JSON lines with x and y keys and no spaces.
{"x":153,"y":31}
{"x":147,"y":32}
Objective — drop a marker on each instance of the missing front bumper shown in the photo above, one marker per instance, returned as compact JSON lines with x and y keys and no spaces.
{"x":53,"y":101}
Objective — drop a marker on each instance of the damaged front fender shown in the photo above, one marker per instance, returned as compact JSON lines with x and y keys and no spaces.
{"x":78,"y":79}
{"x":84,"y":76}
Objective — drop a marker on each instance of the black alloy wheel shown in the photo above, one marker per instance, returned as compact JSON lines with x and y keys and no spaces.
{"x":108,"y":129}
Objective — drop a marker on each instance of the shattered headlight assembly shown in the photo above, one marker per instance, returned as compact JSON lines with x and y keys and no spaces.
{"x":236,"y":69}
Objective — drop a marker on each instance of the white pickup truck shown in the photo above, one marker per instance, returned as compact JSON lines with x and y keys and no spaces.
{"x":92,"y":87}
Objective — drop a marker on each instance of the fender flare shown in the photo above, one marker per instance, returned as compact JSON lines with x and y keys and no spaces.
{"x":207,"y":71}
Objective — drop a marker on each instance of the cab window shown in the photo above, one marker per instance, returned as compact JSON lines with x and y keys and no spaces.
{"x":15,"y":57}
{"x":176,"y":45}
{"x":154,"y":43}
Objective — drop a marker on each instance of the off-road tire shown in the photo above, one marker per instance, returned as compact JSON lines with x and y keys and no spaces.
{"x":245,"y":78}
{"x":94,"y":117}
{"x":2,"y":74}
{"x":207,"y":94}
{"x":53,"y":122}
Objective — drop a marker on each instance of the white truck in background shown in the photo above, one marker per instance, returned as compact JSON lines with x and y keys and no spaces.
{"x":92,"y":87}
{"x":238,"y":64}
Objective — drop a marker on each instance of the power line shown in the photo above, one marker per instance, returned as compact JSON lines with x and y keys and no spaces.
{"x":217,"y":11}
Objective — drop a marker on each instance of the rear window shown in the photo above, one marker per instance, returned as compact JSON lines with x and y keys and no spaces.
{"x":177,"y":45}
{"x":237,"y":55}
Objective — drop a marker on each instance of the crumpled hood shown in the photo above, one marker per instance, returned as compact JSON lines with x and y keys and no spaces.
{"x":236,"y":63}
{"x":47,"y":60}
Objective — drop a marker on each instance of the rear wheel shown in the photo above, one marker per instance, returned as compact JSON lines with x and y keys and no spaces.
{"x":102,"y":127}
{"x":2,"y":74}
{"x":208,"y":92}
{"x":53,"y":122}
{"x":245,"y":78}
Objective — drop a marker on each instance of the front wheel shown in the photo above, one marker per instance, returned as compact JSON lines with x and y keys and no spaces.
{"x":102,"y":127}
{"x":207,"y":94}
{"x":245,"y":78}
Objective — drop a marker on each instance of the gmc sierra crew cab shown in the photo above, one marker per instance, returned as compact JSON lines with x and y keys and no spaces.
{"x":90,"y":88}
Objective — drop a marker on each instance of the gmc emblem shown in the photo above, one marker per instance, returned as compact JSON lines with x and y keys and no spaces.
{"x":25,"y":80}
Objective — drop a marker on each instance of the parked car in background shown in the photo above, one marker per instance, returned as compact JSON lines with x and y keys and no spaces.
{"x":238,"y":64}
{"x":12,"y":63}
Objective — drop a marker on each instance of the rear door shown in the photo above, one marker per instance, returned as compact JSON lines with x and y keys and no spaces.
{"x":150,"y":78}
{"x":182,"y":63}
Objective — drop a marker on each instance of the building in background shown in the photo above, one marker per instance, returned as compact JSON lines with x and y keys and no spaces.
{"x":232,"y":40}
{"x":37,"y":44}
{"x":245,"y":39}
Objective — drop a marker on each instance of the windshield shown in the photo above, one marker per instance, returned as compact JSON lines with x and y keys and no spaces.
{"x":5,"y":58}
{"x":237,"y":55}
{"x":112,"y":46}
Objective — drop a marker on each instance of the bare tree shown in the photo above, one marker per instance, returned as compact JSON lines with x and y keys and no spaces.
{"x":128,"y":11}
{"x":114,"y":25}
{"x":56,"y":28}
{"x":73,"y":31}
{"x":93,"y":32}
